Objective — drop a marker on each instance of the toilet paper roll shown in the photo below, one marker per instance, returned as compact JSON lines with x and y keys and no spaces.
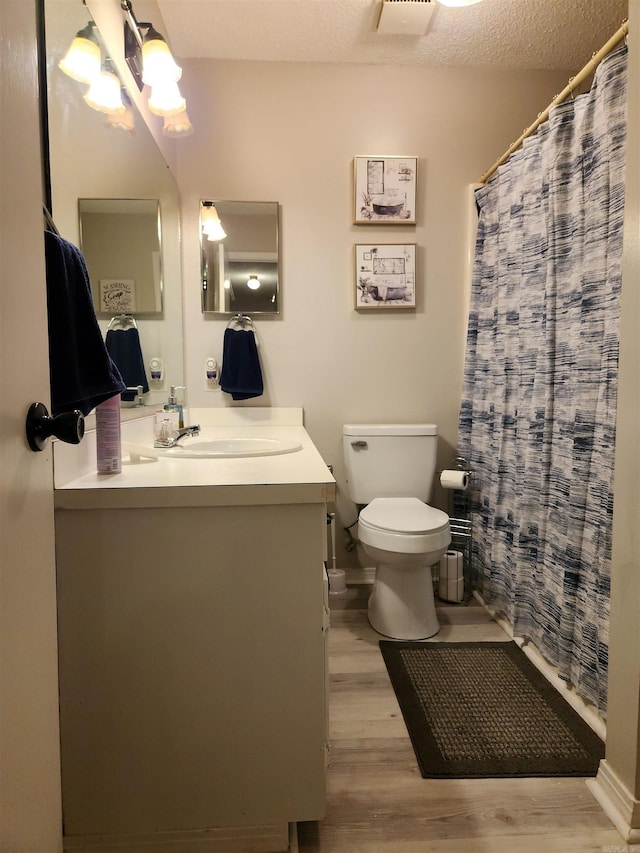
{"x":454,"y":480}
{"x":451,"y":586}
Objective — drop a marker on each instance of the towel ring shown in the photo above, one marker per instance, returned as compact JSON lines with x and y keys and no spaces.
{"x":242,"y":321}
{"x":122,"y":321}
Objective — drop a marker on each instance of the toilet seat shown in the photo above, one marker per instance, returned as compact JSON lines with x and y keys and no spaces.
{"x":404,"y":515}
{"x":404,"y":526}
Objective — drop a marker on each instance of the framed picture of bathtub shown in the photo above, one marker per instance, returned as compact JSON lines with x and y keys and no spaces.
{"x":385,"y":276}
{"x":385,"y":190}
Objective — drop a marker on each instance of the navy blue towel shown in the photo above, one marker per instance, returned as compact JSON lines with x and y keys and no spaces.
{"x":241,"y":375}
{"x":81,"y":371}
{"x":123,"y":345}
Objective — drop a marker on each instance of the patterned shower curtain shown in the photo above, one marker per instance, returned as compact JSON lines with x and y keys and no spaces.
{"x":537,"y":419}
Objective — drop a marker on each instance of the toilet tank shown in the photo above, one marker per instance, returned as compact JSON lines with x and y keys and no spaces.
{"x":389,"y":460}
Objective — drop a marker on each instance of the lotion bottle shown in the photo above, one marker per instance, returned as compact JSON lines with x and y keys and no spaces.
{"x":172,"y":405}
{"x":108,"y":441}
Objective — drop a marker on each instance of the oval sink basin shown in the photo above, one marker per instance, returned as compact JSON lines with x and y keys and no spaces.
{"x":214,"y":447}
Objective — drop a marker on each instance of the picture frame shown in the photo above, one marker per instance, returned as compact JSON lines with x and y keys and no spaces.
{"x":385,"y":275}
{"x":117,"y":295}
{"x":384,"y":190}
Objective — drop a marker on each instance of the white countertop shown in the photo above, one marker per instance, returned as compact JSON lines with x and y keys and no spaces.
{"x":298,"y":477}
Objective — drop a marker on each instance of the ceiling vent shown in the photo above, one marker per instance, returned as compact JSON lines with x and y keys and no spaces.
{"x":405,"y":17}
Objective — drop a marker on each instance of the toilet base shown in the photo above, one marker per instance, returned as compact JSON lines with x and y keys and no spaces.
{"x":401,"y":604}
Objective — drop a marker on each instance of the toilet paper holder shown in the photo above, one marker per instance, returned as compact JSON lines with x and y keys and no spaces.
{"x":458,"y":463}
{"x":457,"y":475}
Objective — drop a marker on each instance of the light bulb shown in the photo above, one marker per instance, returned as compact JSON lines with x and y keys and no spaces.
{"x":214,"y":232}
{"x":458,"y":3}
{"x":165,"y":100}
{"x":104,"y":94}
{"x":253,"y":283}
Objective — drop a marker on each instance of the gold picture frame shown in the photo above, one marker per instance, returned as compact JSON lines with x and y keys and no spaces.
{"x":385,"y":275}
{"x":384,"y":190}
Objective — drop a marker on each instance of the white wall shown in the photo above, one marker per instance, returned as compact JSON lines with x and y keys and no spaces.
{"x":288,"y":133}
{"x":619,"y":777}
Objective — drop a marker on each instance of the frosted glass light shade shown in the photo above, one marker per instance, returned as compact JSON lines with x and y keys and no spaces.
{"x":82,"y":61}
{"x":178,"y":125}
{"x":122,"y":121}
{"x":210,"y":222}
{"x":214,"y":232}
{"x":104,"y":94}
{"x":158,"y":64}
{"x":165,"y":100}
{"x":253,"y":282}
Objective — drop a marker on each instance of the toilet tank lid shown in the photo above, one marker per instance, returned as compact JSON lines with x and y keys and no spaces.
{"x":390,"y":429}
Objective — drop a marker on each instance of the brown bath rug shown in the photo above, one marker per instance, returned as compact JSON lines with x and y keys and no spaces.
{"x":483,"y":710}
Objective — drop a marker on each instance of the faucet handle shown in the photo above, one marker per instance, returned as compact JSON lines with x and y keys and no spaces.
{"x":138,"y":390}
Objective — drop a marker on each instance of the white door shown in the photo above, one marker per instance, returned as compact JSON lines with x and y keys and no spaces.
{"x":30,"y":812}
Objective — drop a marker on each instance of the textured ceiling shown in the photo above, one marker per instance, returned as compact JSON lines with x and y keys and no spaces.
{"x":526,"y":34}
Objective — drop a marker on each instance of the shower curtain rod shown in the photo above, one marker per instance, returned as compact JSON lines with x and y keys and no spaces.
{"x":573,"y":83}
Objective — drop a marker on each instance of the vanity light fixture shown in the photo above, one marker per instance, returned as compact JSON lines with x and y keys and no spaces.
{"x":253,"y":282}
{"x":82,"y":61}
{"x":104,"y":92}
{"x":210,"y":222}
{"x":151,"y":63}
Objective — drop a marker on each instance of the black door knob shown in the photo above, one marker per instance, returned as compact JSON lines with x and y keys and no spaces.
{"x":68,"y":426}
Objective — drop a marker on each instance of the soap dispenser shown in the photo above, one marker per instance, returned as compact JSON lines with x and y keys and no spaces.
{"x":172,"y":405}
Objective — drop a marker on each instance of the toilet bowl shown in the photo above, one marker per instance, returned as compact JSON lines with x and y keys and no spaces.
{"x":390,"y":470}
{"x":404,"y":537}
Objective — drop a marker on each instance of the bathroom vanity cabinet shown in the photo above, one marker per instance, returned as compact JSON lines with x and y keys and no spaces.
{"x":192,"y":629}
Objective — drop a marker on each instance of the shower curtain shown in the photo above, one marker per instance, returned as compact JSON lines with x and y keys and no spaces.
{"x":537,"y":420}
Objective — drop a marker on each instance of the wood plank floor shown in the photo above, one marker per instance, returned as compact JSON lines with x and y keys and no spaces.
{"x":377,"y":800}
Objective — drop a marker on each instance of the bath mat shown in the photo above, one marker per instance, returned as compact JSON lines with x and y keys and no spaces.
{"x":483,"y":710}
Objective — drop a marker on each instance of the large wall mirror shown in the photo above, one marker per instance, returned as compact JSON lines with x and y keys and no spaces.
{"x":103,"y":179}
{"x":240,"y":257}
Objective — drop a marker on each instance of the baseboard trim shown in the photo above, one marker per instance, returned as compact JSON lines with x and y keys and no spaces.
{"x":244,"y":839}
{"x":617,"y":802}
{"x":361,"y":576}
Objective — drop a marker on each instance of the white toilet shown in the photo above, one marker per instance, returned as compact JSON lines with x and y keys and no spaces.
{"x":390,"y":469}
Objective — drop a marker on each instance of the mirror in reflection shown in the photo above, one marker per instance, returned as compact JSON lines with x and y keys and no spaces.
{"x":121,"y":243}
{"x":240,"y":260}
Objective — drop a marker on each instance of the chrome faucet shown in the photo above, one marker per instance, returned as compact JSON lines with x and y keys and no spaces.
{"x":178,"y":435}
